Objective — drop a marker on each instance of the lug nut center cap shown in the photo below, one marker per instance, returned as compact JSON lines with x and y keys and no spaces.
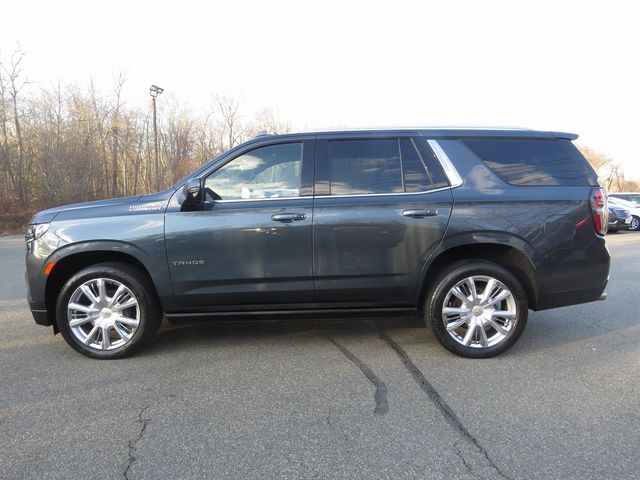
{"x":477,"y":311}
{"x":105,"y":312}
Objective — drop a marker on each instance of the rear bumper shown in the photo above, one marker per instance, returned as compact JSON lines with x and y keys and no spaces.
{"x":41,"y":317}
{"x":574,"y":276}
{"x":570,"y":297}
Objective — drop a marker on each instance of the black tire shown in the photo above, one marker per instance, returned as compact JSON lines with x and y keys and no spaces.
{"x":135,"y":281}
{"x":457,"y":272}
{"x":635,"y":224}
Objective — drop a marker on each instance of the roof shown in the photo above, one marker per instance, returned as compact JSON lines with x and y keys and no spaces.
{"x":446,"y":131}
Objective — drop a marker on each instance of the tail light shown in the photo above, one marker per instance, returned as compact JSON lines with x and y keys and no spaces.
{"x":599,"y":210}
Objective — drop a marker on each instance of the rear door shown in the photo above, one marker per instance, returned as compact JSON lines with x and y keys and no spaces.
{"x":382,"y":203}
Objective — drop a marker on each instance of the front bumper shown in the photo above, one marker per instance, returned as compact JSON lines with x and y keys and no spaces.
{"x":38,"y":309}
{"x":620,"y":223}
{"x":38,"y":251}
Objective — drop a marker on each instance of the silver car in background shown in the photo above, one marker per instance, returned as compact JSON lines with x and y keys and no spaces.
{"x":632,"y":207}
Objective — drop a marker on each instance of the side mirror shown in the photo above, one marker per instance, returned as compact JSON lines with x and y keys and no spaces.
{"x":192,"y":192}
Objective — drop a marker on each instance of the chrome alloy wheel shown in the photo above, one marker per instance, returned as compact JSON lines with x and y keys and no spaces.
{"x":635,"y":224}
{"x":103,"y":314}
{"x":479,"y":312}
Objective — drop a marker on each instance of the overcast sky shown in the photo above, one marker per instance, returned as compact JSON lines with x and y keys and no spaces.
{"x":551,"y":65}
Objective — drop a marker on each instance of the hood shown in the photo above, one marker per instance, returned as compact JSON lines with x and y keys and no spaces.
{"x":103,"y":207}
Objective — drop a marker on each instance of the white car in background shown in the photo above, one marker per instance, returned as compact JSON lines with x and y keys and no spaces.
{"x":634,"y":209}
{"x":633,"y":197}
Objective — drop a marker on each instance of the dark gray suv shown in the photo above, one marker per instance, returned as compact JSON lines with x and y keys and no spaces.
{"x":470,"y":228}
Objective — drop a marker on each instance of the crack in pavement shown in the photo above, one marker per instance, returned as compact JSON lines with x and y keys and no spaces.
{"x":133,"y":444}
{"x":337,"y":429}
{"x":467,"y":466}
{"x":446,"y":411}
{"x":380,"y":397}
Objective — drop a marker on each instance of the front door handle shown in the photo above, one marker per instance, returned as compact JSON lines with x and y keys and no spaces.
{"x":288,"y":217}
{"x":429,"y":212}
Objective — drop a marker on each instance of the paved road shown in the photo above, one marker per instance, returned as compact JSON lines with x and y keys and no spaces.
{"x":327,"y":400}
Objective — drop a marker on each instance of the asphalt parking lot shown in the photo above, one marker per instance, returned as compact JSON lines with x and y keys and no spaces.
{"x":358,"y":399}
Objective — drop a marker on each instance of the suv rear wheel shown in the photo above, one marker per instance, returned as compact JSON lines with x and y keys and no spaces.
{"x":477,"y":309}
{"x":107,"y":311}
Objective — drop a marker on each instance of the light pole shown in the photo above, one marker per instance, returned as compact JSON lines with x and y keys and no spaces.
{"x":154,"y":91}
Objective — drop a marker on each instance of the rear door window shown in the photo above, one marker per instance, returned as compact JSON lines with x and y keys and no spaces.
{"x":364,"y":166}
{"x":377,"y":166}
{"x":416,"y":178}
{"x":421,"y":170}
{"x":534,"y":162}
{"x":431,"y":163}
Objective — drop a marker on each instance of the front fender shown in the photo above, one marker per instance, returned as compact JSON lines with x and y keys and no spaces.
{"x":138,"y":235}
{"x":157,"y":268}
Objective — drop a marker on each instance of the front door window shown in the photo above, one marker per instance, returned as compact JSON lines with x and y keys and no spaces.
{"x":274,"y":171}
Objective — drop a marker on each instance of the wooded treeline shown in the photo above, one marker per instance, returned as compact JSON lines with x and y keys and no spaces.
{"x":67,"y":144}
{"x":611,"y":173}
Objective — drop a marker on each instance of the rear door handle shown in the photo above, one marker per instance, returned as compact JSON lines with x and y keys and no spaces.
{"x":288,"y":217}
{"x":429,"y":212}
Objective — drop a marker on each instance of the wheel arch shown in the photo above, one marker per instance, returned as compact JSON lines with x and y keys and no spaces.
{"x":506,"y":255}
{"x":77,"y":259}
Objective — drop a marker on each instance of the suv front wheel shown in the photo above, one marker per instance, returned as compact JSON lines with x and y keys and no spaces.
{"x":107,"y":311}
{"x":477,"y":309}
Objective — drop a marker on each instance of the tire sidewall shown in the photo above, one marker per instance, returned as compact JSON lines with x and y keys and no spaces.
{"x":459,"y":272}
{"x":130,"y":277}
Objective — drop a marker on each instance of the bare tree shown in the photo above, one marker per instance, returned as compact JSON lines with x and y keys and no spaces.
{"x":12,"y":88}
{"x":67,"y":143}
{"x":615,"y":178}
{"x":267,"y":121}
{"x":230,"y":128}
{"x":598,"y":160}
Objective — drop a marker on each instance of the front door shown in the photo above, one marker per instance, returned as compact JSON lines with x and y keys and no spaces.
{"x":382,"y":205}
{"x":249,"y":247}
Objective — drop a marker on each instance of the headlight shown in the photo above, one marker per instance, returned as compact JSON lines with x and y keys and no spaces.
{"x":35,"y":231}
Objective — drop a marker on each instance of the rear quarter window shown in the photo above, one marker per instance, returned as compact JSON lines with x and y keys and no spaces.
{"x":534,"y":162}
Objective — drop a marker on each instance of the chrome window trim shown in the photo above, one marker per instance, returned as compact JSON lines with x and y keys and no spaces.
{"x":397,"y":194}
{"x":242,"y":200}
{"x":449,"y":170}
